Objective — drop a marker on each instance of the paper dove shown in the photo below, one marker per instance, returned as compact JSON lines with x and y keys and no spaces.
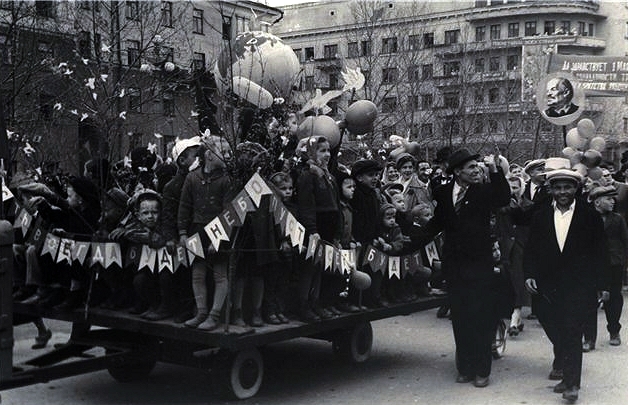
{"x":320,"y":100}
{"x":104,"y":77}
{"x":74,"y":112}
{"x":91,"y":83}
{"x":95,"y":96}
{"x":58,"y":106}
{"x":28,"y":149}
{"x":121,"y":93}
{"x":105,"y":48}
{"x":68,"y":72}
{"x":152,"y":147}
{"x":354,"y":79}
{"x":127,"y":162}
{"x":85,"y":61}
{"x":193,"y":113}
{"x":122,"y":115}
{"x":84,"y":116}
{"x":158,"y":135}
{"x":9,"y":134}
{"x":62,"y":65}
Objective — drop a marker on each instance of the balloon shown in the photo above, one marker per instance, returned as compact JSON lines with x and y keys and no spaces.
{"x":591,"y":158}
{"x":586,"y":128}
{"x":580,"y":168}
{"x":598,"y":143}
{"x":574,"y":140}
{"x":360,"y":117}
{"x":260,"y":57}
{"x":321,"y":125}
{"x":568,"y":151}
{"x":413,"y":148}
{"x":396,"y":152}
{"x":360,"y":280}
{"x":595,"y":173}
{"x":252,"y":92}
{"x":576,"y":158}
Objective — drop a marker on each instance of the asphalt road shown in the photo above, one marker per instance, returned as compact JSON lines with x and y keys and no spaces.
{"x":412,"y":363}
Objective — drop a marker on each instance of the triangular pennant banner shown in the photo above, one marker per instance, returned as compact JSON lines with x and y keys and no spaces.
{"x":113,"y":255}
{"x":295,"y":231}
{"x":25,"y":222}
{"x":37,"y":235}
{"x":79,"y":251}
{"x":98,"y":254}
{"x":337,"y":261}
{"x":65,"y":251}
{"x":132,"y":257}
{"x":329,"y":257}
{"x":369,"y":257}
{"x":281,"y":214}
{"x":216,"y":232}
{"x":406,"y":265}
{"x":147,"y":258}
{"x":381,"y":262}
{"x":348,"y":260}
{"x":256,"y":187}
{"x":393,"y":267}
{"x":193,"y":244}
{"x":6,"y":193}
{"x":432,"y":252}
{"x":312,"y":245}
{"x":230,"y":218}
{"x":242,"y":204}
{"x":180,"y":258}
{"x":320,"y":254}
{"x":51,"y":245}
{"x":164,"y":259}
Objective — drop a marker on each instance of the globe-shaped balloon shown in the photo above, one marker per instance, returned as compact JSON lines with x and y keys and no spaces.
{"x":360,"y":117}
{"x":261,"y":58}
{"x":321,"y":125}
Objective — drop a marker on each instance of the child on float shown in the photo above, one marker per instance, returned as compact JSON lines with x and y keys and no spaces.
{"x":390,"y":241}
{"x":205,"y":194}
{"x":144,"y":228}
{"x":317,"y":195}
{"x":277,"y":280}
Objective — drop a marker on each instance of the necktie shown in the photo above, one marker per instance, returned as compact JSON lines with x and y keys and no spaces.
{"x":459,"y":199}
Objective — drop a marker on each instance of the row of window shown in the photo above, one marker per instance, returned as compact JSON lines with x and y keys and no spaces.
{"x":550,"y":27}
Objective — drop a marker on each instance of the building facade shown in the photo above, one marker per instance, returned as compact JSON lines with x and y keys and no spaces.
{"x":450,"y":73}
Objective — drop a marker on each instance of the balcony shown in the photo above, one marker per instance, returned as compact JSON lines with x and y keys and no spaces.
{"x":328,"y":64}
{"x":544,"y":39}
{"x":449,"y":50}
{"x":513,"y":106}
{"x":535,"y":8}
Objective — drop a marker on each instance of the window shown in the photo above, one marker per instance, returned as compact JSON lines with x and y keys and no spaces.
{"x":451,"y":128}
{"x":45,"y":50}
{"x":45,"y":106}
{"x":451,"y":68}
{"x":309,"y":53}
{"x":199,"y":61}
{"x":513,"y":30}
{"x":133,"y":52}
{"x":85,"y":44}
{"x":480,"y":33}
{"x":389,"y":105}
{"x":366,"y":48}
{"x":530,"y":28}
{"x":132,"y":10}
{"x":309,"y":82}
{"x":389,"y":75}
{"x":427,"y":101}
{"x":330,"y":51}
{"x":493,"y":95}
{"x":333,"y":80}
{"x":478,"y":126}
{"x":197,"y":21}
{"x":451,"y":100}
{"x":582,"y":28}
{"x":427,"y":71}
{"x":492,"y":126}
{"x":352,"y":50}
{"x":590,"y":30}
{"x":414,"y":42}
{"x":168,"y":105}
{"x":166,"y":13}
{"x":451,"y":37}
{"x":44,"y":9}
{"x":242,"y":24}
{"x":549,"y":28}
{"x":493,"y":64}
{"x":514,"y":93}
{"x":479,"y":65}
{"x":414,"y":73}
{"x":389,"y":45}
{"x":478,"y":96}
{"x":512,"y":62}
{"x":135,"y":99}
{"x":5,"y":51}
{"x":426,"y":130}
{"x":565,"y":27}
{"x":299,"y":53}
{"x":413,"y":101}
{"x":496,"y":31}
{"x":428,"y":40}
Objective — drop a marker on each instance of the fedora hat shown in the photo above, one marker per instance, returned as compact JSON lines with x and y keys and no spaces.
{"x":459,"y":158}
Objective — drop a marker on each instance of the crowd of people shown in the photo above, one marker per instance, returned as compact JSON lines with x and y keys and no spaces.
{"x":507,"y":232}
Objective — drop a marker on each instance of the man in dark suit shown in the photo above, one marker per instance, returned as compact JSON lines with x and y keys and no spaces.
{"x":463,"y":212}
{"x":565,"y":265}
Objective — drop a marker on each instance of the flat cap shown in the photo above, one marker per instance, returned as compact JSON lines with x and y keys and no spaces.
{"x":533,"y":164}
{"x":365,"y":166}
{"x":602,"y":191}
{"x":459,"y":158}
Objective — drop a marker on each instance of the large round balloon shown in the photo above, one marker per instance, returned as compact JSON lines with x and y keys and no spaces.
{"x":574,"y":140}
{"x":322,"y":125}
{"x":595,"y":173}
{"x":591,"y":158}
{"x":598,"y":143}
{"x":586,"y":128}
{"x":360,"y":117}
{"x":263,"y":59}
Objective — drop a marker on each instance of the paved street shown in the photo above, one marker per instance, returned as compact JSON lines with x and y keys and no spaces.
{"x":412,"y":363}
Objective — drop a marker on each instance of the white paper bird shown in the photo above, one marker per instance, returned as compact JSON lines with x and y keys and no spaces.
{"x":58,"y":106}
{"x":397,"y":140}
{"x":28,"y":149}
{"x":95,"y":96}
{"x":193,"y":113}
{"x":104,"y":77}
{"x":121,"y":93}
{"x":105,"y":48}
{"x":75,"y":112}
{"x":84,"y":116}
{"x":91,"y":83}
{"x":320,"y":100}
{"x":68,"y":72}
{"x":158,"y":135}
{"x":85,"y":61}
{"x":206,"y":134}
{"x":127,"y":162}
{"x":152,"y":147}
{"x":10,"y":134}
{"x":62,"y":65}
{"x":122,"y":115}
{"x":354,"y":79}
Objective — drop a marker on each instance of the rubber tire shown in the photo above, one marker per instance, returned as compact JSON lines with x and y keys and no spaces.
{"x":135,"y":368}
{"x":499,"y":344}
{"x":354,"y":344}
{"x":240,"y":374}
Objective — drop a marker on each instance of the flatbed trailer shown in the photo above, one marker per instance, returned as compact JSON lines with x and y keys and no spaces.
{"x":132,"y":346}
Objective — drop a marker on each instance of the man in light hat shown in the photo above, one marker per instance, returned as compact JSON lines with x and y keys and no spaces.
{"x":535,"y":189}
{"x":565,"y":265}
{"x":603,"y":199}
{"x":463,"y":211}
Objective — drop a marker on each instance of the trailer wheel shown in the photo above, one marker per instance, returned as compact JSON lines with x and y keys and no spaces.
{"x":240,"y":374}
{"x":354,"y":344}
{"x":134,"y":367}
